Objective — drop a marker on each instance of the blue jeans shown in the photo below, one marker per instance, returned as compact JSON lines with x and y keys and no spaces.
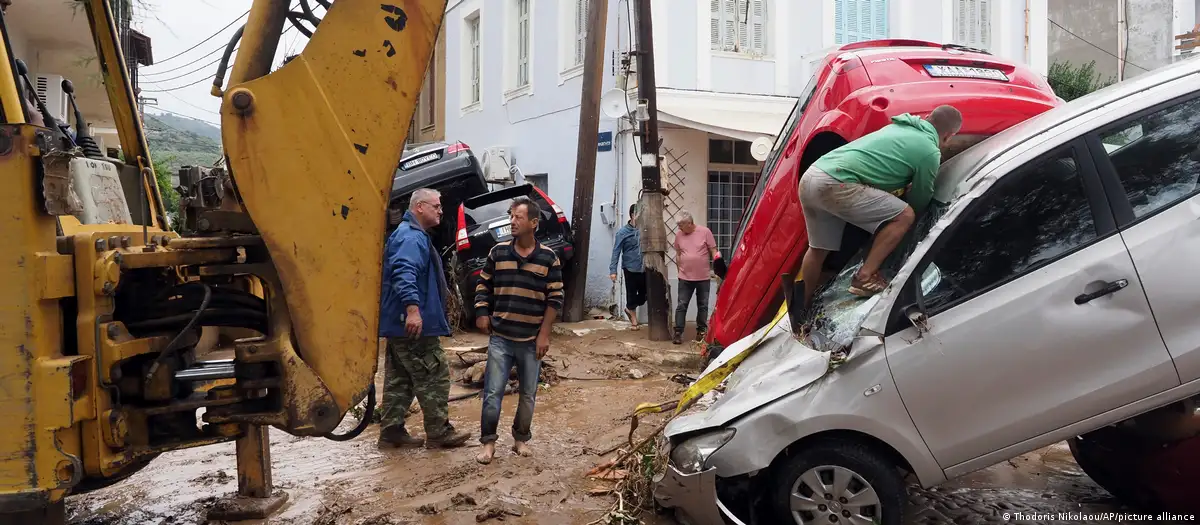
{"x":502,"y":355}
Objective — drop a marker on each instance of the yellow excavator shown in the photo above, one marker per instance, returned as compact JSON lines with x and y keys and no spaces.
{"x":121,"y":339}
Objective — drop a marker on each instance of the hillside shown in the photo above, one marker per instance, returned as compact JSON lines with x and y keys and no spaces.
{"x":181,"y":141}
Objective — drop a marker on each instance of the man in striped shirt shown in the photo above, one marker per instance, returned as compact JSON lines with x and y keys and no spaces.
{"x":516,"y":301}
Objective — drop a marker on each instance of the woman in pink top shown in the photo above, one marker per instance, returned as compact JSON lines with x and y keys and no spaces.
{"x":694,"y":245}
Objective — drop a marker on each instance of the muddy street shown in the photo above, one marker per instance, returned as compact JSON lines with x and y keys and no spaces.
{"x":604,"y":373}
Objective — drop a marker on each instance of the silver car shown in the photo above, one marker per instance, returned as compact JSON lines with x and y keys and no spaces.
{"x":1047,"y":294}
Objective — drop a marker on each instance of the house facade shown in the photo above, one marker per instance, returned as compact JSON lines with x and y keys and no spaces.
{"x":1083,"y":31}
{"x":54,"y":40}
{"x":429,"y":117}
{"x":727,"y":73}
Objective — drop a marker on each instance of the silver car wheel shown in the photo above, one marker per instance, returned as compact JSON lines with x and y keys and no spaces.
{"x":831,"y":494}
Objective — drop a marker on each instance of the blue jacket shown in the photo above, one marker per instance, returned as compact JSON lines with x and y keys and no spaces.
{"x":412,"y":274}
{"x":628,"y":246}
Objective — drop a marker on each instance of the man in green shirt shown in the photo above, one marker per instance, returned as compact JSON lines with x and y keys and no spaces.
{"x":857,"y":184}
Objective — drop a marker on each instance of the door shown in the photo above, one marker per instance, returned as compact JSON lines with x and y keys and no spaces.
{"x":1151,"y":162}
{"x":1016,"y":347}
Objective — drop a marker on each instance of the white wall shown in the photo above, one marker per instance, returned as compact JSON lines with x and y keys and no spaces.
{"x":540,"y":127}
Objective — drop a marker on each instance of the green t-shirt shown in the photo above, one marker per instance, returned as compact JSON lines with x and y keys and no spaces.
{"x":903,"y":152}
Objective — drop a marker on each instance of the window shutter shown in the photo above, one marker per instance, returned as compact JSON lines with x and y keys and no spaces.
{"x":741,"y":21}
{"x":962,"y":21}
{"x":881,"y":19}
{"x":581,"y":9}
{"x":839,"y":22}
{"x":729,"y":23}
{"x":985,"y":24}
{"x":858,"y":26}
{"x":715,"y":24}
{"x":758,"y":26}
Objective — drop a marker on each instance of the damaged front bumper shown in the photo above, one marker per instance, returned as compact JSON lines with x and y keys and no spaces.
{"x":693,"y":497}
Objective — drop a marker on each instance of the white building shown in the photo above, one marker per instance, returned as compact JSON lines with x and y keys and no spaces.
{"x":726,"y":72}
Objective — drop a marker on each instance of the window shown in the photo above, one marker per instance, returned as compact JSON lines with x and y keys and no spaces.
{"x":1024,"y":222}
{"x":739,"y":26}
{"x":522,"y":43}
{"x":730,"y":152}
{"x":473,"y":96}
{"x":859,"y":20}
{"x":728,"y":193}
{"x":428,"y":92}
{"x":732,"y":176}
{"x":579,"y":34}
{"x":539,"y":181}
{"x":973,"y":23}
{"x":1157,"y":157}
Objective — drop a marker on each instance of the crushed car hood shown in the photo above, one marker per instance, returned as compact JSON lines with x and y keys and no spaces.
{"x":779,"y":366}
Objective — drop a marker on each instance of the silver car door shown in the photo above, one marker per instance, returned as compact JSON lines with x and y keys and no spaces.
{"x":1151,"y":165}
{"x":1035,"y":315}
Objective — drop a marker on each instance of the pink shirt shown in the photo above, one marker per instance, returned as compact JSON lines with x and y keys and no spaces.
{"x":694,"y":253}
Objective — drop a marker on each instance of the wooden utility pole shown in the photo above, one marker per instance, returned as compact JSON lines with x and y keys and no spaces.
{"x":585,"y":158}
{"x":653,"y":227}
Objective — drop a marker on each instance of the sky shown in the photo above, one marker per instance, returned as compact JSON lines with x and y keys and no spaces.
{"x":182,"y":75}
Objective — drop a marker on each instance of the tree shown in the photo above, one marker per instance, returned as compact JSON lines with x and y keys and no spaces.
{"x":1071,"y":82}
{"x":170,"y":197}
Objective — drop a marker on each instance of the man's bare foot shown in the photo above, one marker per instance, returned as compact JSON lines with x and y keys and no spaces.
{"x":521,"y":449}
{"x":485,"y":456}
{"x":633,"y":320}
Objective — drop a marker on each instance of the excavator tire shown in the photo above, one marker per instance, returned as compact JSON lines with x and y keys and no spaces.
{"x":1144,"y":473}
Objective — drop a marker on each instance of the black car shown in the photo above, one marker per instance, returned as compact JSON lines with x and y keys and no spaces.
{"x":483,"y":221}
{"x":450,"y":168}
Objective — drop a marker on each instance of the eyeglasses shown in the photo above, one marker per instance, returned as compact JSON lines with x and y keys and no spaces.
{"x":437,"y":206}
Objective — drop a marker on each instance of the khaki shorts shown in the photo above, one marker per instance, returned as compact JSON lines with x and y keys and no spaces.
{"x":829,"y":204}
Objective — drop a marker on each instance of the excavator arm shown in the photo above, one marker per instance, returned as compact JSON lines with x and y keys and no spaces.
{"x":261,"y":311}
{"x":312,"y":148}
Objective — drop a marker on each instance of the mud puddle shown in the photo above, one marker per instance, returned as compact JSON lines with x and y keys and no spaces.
{"x":354,"y":482}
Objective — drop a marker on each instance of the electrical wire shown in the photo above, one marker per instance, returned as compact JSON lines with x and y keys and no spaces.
{"x":1125,"y":52}
{"x":177,"y":68}
{"x":202,"y":79}
{"x":176,"y":97}
{"x":185,"y":116}
{"x":1088,"y":42}
{"x":210,"y":37}
{"x":197,"y":70}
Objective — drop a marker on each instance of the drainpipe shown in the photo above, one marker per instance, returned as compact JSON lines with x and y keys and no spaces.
{"x":1026,"y":55}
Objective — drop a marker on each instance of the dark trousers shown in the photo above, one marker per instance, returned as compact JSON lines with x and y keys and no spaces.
{"x":635,"y":289}
{"x":503,"y":354}
{"x":686,"y":288}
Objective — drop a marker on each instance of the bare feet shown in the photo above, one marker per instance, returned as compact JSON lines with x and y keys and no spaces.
{"x":633,"y":320}
{"x":521,"y":449}
{"x":485,"y":456}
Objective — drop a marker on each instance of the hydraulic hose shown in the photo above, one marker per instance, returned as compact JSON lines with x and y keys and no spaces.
{"x":368,"y":414}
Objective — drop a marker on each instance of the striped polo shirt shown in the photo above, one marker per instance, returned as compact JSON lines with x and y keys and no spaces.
{"x":515,"y":290}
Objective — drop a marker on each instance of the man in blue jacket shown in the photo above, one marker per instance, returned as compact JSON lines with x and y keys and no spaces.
{"x":628,"y":246}
{"x":412,"y":317}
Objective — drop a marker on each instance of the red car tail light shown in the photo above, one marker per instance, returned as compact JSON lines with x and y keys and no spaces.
{"x":462,"y":242}
{"x":562,"y":217}
{"x":457,"y":147}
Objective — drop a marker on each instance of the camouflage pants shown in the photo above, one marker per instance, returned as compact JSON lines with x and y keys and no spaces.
{"x":417,"y":368}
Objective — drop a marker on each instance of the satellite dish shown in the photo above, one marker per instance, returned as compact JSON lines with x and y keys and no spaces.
{"x":614,"y":104}
{"x":760,"y":148}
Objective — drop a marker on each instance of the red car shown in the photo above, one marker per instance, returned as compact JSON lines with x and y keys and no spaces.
{"x":855,"y":91}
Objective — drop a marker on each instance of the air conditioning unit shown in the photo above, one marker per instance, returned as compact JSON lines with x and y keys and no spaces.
{"x":49,"y":89}
{"x":497,"y":161}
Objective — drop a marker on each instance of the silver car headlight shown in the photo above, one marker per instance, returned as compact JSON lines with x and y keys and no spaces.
{"x":692,"y":455}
